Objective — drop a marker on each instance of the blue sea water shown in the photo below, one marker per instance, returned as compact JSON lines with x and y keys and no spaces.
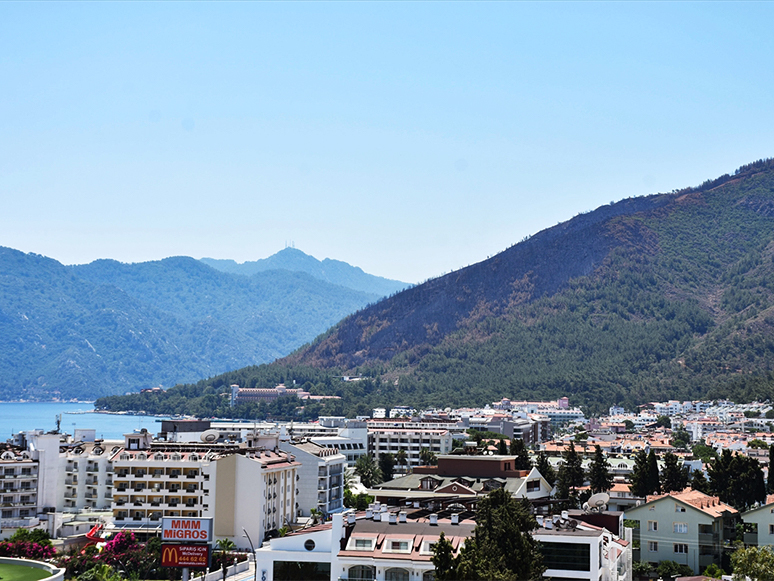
{"x":15,"y":417}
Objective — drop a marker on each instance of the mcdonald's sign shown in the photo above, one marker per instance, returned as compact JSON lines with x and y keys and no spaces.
{"x":194,"y":556}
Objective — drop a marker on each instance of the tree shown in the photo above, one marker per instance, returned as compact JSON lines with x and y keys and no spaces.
{"x":699,"y":482}
{"x":704,"y":453}
{"x":628,"y":425}
{"x":600,"y":478}
{"x":654,"y":482}
{"x":546,"y":470}
{"x":573,"y":467}
{"x":755,"y":563}
{"x":402,"y":458}
{"x":713,"y":571}
{"x":369,"y":472}
{"x":386,"y":466}
{"x":501,"y":546}
{"x":427,"y":458}
{"x":443,"y":559}
{"x":770,"y":483}
{"x":639,"y":482}
{"x":502,"y":450}
{"x":674,"y":477}
{"x":670,"y":569}
{"x":737,"y":480}
{"x":680,"y":438}
{"x":518,"y":449}
{"x":641,"y":569}
{"x":663,"y":422}
{"x":759,"y":444}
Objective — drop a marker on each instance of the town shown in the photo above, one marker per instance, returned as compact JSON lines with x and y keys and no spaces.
{"x":671,"y":489}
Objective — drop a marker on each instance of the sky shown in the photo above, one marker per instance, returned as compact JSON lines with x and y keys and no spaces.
{"x":407,"y":138}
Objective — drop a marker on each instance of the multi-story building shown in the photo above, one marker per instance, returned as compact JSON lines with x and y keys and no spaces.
{"x":321,"y":477}
{"x":386,"y":546}
{"x":18,"y":489}
{"x":687,"y":527}
{"x":241,"y":486}
{"x":574,"y":550}
{"x":383,"y":440}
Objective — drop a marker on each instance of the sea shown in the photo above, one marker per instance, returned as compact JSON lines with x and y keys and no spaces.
{"x":16,"y":417}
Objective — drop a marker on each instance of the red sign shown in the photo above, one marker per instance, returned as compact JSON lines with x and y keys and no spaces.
{"x":196,"y":556}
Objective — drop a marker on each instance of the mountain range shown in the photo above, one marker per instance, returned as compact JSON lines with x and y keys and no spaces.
{"x":107,"y":327}
{"x":669,"y":296}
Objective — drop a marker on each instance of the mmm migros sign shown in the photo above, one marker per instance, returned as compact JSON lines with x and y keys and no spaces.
{"x":186,"y":529}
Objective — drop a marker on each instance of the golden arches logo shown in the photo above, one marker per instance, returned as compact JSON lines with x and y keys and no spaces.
{"x":170,"y":556}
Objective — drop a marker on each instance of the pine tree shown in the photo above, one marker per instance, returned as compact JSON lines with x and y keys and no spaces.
{"x":638,"y":480}
{"x":770,"y":483}
{"x":600,"y":478}
{"x":387,"y":466}
{"x":519,"y":450}
{"x":502,"y":450}
{"x":573,"y":467}
{"x":699,"y":482}
{"x":654,"y":481}
{"x":501,"y":546}
{"x":546,"y":470}
{"x":673,"y":477}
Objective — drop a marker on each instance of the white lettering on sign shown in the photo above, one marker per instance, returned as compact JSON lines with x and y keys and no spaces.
{"x":186,"y":529}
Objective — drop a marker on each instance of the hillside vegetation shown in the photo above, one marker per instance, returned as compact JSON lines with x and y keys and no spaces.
{"x":107,"y":327}
{"x":666,"y":296}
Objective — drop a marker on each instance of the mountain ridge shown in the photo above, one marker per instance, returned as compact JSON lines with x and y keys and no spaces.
{"x":329,"y":270}
{"x":106,"y":327}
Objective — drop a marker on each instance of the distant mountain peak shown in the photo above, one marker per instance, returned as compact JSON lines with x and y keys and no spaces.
{"x":329,"y":270}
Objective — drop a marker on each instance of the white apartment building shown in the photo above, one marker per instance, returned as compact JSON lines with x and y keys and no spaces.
{"x":383,"y":440}
{"x":321,"y":477}
{"x":18,"y":490}
{"x":242,"y":488}
{"x":86,"y":482}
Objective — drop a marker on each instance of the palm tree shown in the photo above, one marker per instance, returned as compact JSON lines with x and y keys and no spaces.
{"x":427,"y":457}
{"x":369,"y":472}
{"x":402,"y":458}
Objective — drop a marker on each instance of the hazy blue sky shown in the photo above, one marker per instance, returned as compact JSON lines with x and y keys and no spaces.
{"x":406,"y":138}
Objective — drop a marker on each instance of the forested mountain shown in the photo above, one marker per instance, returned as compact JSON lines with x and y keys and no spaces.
{"x":107,"y":327}
{"x":332,"y":271}
{"x":653,"y":298}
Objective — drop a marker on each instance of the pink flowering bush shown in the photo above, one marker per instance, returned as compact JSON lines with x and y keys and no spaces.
{"x":26,"y":550}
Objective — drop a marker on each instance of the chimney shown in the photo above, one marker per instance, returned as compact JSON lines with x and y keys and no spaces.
{"x":539,"y":519}
{"x":433,"y":519}
{"x":393,"y":518}
{"x":351,"y":518}
{"x":369,"y":513}
{"x":455,"y":518}
{"x":402,"y":516}
{"x":565,"y":515}
{"x":377,"y":517}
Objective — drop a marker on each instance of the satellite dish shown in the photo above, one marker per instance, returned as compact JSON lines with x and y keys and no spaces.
{"x":599,"y":501}
{"x":209,"y":436}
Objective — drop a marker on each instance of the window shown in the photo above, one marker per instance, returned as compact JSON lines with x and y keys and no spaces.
{"x":364,"y":544}
{"x":399,"y":546}
{"x":652,"y":525}
{"x":679,"y":508}
{"x":396,"y":575}
{"x":680,"y":527}
{"x":533,"y":485}
{"x":567,"y":556}
{"x":681,"y":548}
{"x":653,"y":546}
{"x":771,"y":529}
